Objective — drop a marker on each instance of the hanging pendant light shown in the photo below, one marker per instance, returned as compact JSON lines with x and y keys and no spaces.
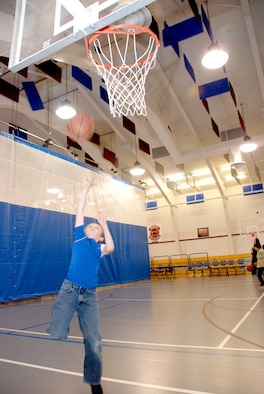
{"x":215,"y":57}
{"x":248,"y":146}
{"x":66,"y":110}
{"x":137,"y":169}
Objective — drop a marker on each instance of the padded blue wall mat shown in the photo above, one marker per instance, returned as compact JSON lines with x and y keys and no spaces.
{"x":35,"y":252}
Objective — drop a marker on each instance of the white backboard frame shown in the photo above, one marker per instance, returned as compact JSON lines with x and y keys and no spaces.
{"x":84,"y":22}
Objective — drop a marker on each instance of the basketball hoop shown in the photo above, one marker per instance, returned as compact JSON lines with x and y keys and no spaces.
{"x":124,"y":62}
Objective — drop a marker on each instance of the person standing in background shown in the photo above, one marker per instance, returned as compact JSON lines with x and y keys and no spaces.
{"x":260,"y":263}
{"x":254,"y":253}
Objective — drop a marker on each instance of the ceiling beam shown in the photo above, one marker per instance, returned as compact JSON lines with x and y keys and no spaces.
{"x":253,"y":43}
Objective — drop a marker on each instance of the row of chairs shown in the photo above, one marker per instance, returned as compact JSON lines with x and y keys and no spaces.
{"x":198,"y":269}
{"x":219,"y":268}
{"x":206,"y":268}
{"x":163,"y":272}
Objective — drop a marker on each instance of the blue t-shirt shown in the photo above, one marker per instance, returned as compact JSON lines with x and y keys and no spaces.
{"x":85,"y":260}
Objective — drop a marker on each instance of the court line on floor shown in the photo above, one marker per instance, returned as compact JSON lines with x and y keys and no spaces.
{"x":111,"y":380}
{"x":239,"y":324}
{"x":177,"y":299}
{"x":170,"y":345}
{"x":25,"y":333}
{"x":229,"y":333}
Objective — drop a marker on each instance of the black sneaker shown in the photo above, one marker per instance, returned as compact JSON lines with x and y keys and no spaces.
{"x":97,"y":389}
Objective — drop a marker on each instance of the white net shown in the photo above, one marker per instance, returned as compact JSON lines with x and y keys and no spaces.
{"x":123,"y":56}
{"x":28,"y":173}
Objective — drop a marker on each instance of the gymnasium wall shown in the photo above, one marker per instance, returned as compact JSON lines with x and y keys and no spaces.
{"x":228,"y":220}
{"x":37,"y":226}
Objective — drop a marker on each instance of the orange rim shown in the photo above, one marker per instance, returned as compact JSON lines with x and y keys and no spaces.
{"x":119,"y":29}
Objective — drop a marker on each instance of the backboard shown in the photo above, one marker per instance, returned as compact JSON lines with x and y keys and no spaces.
{"x":42,"y":28}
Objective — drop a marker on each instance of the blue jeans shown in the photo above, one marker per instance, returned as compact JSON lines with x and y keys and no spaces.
{"x":73,"y":298}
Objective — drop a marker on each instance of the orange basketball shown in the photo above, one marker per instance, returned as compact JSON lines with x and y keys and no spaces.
{"x":80,"y":128}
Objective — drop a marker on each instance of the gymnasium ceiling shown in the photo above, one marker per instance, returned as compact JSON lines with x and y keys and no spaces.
{"x":190,"y":140}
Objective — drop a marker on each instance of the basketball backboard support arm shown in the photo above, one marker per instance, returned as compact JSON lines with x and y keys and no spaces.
{"x":44,"y":28}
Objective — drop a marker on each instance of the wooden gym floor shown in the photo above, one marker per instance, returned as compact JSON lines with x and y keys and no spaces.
{"x":189,"y":335}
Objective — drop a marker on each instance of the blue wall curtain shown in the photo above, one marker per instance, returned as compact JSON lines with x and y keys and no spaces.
{"x":36,"y":247}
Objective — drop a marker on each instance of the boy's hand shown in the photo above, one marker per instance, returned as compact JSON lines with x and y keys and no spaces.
{"x":101,"y":218}
{"x":88,"y":182}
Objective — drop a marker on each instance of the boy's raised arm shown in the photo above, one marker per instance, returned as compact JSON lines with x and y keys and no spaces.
{"x":79,"y":219}
{"x":109,"y":243}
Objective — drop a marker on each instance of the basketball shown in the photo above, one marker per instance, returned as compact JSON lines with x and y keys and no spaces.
{"x":80,"y":128}
{"x":250,"y":268}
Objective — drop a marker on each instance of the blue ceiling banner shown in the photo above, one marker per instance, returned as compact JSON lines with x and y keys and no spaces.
{"x":33,"y":95}
{"x":213,"y":88}
{"x":181,"y":31}
{"x":189,"y":68}
{"x":168,"y":40}
{"x":104,"y":95}
{"x":206,"y":23}
{"x":82,"y":77}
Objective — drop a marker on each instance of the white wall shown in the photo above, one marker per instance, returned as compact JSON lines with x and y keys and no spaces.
{"x":229,"y":220}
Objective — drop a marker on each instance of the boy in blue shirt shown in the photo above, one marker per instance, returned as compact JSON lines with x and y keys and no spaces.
{"x":78,"y":290}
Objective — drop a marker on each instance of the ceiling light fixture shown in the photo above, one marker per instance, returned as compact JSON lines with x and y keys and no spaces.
{"x":225,"y":167}
{"x":176,"y":177}
{"x":216,"y":57}
{"x":230,"y":178}
{"x":137,"y":169}
{"x":248,"y":146}
{"x":66,"y":110}
{"x":201,"y":172}
{"x":205,"y":182}
{"x":53,"y":190}
{"x":182,"y":186}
